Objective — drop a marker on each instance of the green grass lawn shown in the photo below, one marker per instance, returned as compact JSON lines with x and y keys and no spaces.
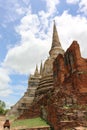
{"x":29,"y":123}
{"x":12,"y":117}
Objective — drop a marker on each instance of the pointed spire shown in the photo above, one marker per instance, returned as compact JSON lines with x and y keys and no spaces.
{"x":36,"y":71}
{"x":56,"y":45}
{"x":41,"y":68}
{"x":55,"y":39}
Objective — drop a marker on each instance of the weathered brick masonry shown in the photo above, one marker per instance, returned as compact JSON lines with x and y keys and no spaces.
{"x":61,"y":95}
{"x":65,"y":106}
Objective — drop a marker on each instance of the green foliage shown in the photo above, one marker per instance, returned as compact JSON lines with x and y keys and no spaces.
{"x":2,"y":107}
{"x":29,"y":123}
{"x":1,"y":110}
{"x":2,"y":104}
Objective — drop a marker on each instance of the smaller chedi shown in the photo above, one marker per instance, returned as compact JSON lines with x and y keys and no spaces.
{"x":27,"y":99}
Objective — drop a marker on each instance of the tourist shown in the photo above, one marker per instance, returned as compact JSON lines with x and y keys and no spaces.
{"x":6,"y":124}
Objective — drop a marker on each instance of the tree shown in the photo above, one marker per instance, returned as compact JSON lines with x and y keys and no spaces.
{"x":2,"y":107}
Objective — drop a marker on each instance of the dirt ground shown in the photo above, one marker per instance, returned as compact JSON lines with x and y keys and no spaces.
{"x":2,"y":120}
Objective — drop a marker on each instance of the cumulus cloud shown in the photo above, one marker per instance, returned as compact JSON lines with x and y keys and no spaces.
{"x":35,"y":44}
{"x":72,"y":28}
{"x":14,"y":9}
{"x":22,"y":57}
{"x":51,"y":6}
{"x":27,"y":2}
{"x":4,"y":83}
{"x":83,"y":6}
{"x":72,"y":1}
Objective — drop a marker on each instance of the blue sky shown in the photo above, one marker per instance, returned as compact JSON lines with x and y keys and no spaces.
{"x":26,"y":37}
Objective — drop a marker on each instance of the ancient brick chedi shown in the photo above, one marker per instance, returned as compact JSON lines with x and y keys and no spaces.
{"x":43,"y":80}
{"x":64,"y":106}
{"x":46,"y":81}
{"x":61,"y":95}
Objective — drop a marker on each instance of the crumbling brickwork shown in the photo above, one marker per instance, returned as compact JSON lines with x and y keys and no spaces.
{"x":65,"y":105}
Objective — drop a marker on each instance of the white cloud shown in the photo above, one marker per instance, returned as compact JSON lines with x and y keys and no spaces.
{"x":81,"y":3}
{"x":14,"y":9}
{"x":35,"y":43}
{"x":5,"y":92}
{"x":4,"y":83}
{"x":51,"y":6}
{"x":29,"y":52}
{"x":23,"y":58}
{"x":73,"y":28}
{"x":72,"y":1}
{"x":20,"y":11}
{"x":9,"y":104}
{"x":27,"y":2}
{"x":83,"y":6}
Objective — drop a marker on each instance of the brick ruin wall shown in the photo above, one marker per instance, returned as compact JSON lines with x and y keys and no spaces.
{"x":65,"y":106}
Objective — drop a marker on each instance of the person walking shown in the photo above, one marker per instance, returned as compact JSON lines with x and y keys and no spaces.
{"x":6,"y":124}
